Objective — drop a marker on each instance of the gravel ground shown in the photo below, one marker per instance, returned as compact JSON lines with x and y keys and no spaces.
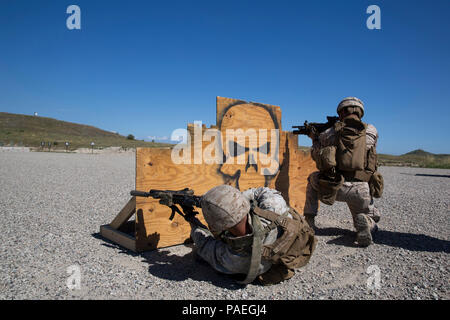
{"x":53,"y":204}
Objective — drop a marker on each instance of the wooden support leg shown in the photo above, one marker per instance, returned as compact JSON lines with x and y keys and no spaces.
{"x":111,"y":232}
{"x":125,"y":214}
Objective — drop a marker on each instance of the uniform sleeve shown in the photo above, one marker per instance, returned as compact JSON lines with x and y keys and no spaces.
{"x":268,"y":199}
{"x":271,"y":199}
{"x":325,"y":139}
{"x":218,"y":254}
{"x":250,"y":194}
{"x":315,"y":149}
{"x":371,"y":136}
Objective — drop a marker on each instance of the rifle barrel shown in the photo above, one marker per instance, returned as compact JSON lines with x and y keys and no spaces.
{"x":140,"y":193}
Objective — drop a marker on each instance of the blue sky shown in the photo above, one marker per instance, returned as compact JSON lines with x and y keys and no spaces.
{"x":149,"y":67}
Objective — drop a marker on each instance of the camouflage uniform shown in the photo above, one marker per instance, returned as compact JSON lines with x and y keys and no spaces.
{"x":355,"y":194}
{"x":220,"y":255}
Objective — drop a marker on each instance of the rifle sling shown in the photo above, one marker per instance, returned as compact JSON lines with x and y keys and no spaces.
{"x":258,"y":234}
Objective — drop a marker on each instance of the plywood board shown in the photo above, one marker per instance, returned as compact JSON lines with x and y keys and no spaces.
{"x":301,"y":166}
{"x":118,"y":237}
{"x":155,"y":168}
{"x":125,"y":214}
{"x":246,"y":118}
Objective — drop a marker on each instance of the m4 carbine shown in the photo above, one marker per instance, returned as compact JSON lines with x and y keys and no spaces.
{"x":315,"y":128}
{"x":184,"y":198}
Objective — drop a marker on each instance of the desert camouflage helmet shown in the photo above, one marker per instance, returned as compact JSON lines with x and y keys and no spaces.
{"x":223,"y":207}
{"x":351,"y":102}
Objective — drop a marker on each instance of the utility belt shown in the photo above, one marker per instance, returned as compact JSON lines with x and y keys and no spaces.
{"x":356,"y":176}
{"x":333,"y":172}
{"x":328,"y":186}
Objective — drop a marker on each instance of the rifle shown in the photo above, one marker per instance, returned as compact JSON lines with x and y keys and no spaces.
{"x":185,"y":198}
{"x":314,"y":127}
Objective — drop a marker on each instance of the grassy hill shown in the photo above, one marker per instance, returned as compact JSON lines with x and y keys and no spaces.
{"x":29,"y":131}
{"x":416,"y":158}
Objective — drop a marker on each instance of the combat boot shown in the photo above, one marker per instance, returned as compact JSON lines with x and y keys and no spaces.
{"x":363,"y":232}
{"x":310,"y":220}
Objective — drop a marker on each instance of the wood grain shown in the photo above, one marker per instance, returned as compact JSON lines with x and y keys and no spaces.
{"x":125,"y":214}
{"x":301,"y":166}
{"x":156,"y":170}
{"x":118,"y":237}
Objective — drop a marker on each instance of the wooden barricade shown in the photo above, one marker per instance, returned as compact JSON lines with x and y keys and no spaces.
{"x":246,"y":149}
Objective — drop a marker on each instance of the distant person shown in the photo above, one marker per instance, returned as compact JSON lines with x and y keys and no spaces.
{"x":346,"y":157}
{"x":254,"y":234}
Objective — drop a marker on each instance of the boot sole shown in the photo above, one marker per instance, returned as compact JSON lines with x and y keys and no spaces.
{"x":363,"y":234}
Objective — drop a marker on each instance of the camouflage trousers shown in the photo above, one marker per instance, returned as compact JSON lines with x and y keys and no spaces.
{"x":355,"y":194}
